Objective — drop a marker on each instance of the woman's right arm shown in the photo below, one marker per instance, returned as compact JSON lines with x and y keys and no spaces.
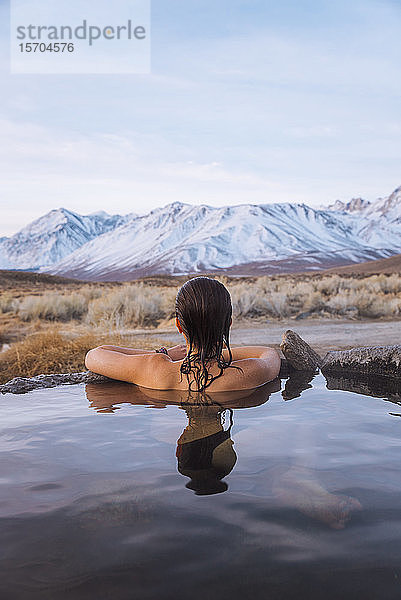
{"x":122,"y":350}
{"x":147,"y":370}
{"x":175,"y":352}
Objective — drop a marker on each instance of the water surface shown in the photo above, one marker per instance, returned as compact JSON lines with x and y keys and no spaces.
{"x":110,"y":492}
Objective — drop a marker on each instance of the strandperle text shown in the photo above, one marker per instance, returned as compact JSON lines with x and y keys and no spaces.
{"x":84,"y":31}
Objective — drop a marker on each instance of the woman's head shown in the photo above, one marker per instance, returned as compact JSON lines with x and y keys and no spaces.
{"x":203,"y":311}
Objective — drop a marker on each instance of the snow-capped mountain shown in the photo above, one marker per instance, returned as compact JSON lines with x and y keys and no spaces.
{"x":54,"y":236}
{"x":389,"y":207}
{"x":354,"y":205}
{"x":378,"y":223}
{"x":180,"y":238}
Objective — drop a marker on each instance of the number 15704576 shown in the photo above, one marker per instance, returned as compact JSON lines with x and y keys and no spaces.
{"x":42,"y":47}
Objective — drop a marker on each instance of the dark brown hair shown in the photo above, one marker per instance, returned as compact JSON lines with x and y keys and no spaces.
{"x":203,"y":308}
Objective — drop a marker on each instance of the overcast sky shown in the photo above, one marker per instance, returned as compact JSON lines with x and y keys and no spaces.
{"x":249,"y":101}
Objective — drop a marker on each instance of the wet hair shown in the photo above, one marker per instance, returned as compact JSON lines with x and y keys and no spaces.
{"x":204,"y":310}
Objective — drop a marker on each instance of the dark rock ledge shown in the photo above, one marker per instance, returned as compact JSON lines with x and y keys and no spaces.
{"x":21,"y":385}
{"x":383,"y":361}
{"x":298,"y":354}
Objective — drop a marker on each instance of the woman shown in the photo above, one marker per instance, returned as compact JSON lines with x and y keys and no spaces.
{"x":203,"y":315}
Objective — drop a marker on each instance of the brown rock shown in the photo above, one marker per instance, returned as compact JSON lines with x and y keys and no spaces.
{"x":379,"y":360}
{"x":21,"y":385}
{"x":298,"y":353}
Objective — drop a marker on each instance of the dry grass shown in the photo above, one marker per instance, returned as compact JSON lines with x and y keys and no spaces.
{"x":144,"y":305}
{"x":46,"y":352}
{"x":135,"y":305}
{"x":53,"y":307}
{"x":8,"y":303}
{"x":132,"y":306}
{"x":54,"y":352}
{"x":377,"y":296}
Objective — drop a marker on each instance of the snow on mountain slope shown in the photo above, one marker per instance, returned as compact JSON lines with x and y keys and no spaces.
{"x":389,"y":208}
{"x":354,"y":205}
{"x":378,"y":222}
{"x":180,"y":238}
{"x":54,"y":236}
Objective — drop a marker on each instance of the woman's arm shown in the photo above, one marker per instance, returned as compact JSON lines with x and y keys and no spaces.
{"x":147,"y":370}
{"x":260,"y":363}
{"x":250,"y":352}
{"x":175,"y":352}
{"x":122,"y":350}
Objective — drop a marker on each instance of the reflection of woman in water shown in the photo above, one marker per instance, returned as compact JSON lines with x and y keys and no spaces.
{"x":203,"y":315}
{"x":205,"y":450}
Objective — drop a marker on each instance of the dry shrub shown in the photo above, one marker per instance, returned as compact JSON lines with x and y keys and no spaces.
{"x":328,"y":286}
{"x":385,"y":284}
{"x":54,"y":352}
{"x":8,"y":303}
{"x":344,"y":301}
{"x":53,"y":307}
{"x":375,"y":307}
{"x":246,"y":301}
{"x":277,"y":305}
{"x":132,"y":306}
{"x":46,"y":352}
{"x":313,"y":302}
{"x":371,"y":297}
{"x":253,"y":301}
{"x":365,"y":303}
{"x":91,"y":293}
{"x":139,"y":305}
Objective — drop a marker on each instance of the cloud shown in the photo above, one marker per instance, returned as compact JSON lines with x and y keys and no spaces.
{"x":325,"y":131}
{"x":290,"y":102}
{"x":44,"y":168}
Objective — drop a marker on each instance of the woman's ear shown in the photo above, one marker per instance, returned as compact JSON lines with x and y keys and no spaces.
{"x":178,"y":325}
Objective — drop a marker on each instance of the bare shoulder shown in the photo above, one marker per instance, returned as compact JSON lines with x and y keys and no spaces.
{"x":248,"y":373}
{"x":154,"y":371}
{"x":148,"y":370}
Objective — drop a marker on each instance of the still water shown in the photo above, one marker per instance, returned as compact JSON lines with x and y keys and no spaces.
{"x":107,"y":491}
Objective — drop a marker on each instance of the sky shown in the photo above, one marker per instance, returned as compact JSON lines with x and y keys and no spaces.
{"x":247,"y":101}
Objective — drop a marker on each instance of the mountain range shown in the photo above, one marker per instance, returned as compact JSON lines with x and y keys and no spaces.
{"x":181,"y":238}
{"x":54,"y":236}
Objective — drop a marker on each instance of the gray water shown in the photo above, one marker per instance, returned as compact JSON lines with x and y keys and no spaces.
{"x":108,"y":492}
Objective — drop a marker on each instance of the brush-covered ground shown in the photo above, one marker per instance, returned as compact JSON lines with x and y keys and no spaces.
{"x":48,"y":323}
